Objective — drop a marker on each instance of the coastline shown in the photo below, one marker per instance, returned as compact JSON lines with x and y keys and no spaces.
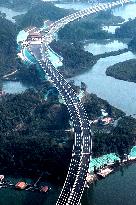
{"x":107,"y":170}
{"x":123,"y":71}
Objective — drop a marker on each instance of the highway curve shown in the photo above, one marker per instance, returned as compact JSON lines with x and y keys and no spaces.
{"x":74,"y":184}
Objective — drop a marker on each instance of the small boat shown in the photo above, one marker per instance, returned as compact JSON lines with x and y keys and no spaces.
{"x":21,"y":185}
{"x":44,"y":189}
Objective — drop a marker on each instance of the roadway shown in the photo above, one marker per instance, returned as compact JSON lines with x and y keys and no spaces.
{"x":74,"y":184}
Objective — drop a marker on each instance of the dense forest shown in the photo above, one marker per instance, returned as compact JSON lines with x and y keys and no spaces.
{"x":35,"y":137}
{"x":89,"y":27}
{"x":39,"y":13}
{"x":127,"y":29}
{"x":75,"y":59}
{"x":132,"y":44}
{"x":124,"y":70}
{"x":78,"y":31}
{"x":119,"y":138}
{"x":19,"y":4}
{"x":8,"y":46}
{"x":119,"y":141}
{"x":8,"y":49}
{"x":33,"y":133}
{"x":94,"y":104}
{"x":29,"y":74}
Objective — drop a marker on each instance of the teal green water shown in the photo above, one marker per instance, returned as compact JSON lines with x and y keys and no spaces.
{"x":105,"y":159}
{"x":54,"y":58}
{"x":28,"y":55}
{"x":22,"y":36}
{"x":133,"y":152}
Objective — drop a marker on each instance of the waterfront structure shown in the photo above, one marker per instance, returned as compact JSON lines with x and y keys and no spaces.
{"x":33,"y":36}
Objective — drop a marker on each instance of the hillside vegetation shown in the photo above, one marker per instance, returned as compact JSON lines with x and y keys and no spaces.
{"x":8,"y":46}
{"x":127,"y":29}
{"x":75,"y":59}
{"x":89,"y":27}
{"x":132,"y":44}
{"x":18,"y":4}
{"x":34,"y":134}
{"x":39,"y":13}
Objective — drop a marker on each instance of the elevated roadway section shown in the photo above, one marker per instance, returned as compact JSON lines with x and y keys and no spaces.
{"x":75,"y":181}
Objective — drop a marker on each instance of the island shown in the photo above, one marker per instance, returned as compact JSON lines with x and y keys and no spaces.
{"x":124,"y":70}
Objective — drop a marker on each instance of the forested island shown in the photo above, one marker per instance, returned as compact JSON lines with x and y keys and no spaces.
{"x":124,"y":70}
{"x":128,"y":30}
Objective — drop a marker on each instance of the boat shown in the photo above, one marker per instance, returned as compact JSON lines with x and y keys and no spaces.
{"x":21,"y":185}
{"x":44,"y":189}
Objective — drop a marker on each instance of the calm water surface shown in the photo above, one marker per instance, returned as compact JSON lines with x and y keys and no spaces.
{"x":104,"y":46}
{"x":10,"y":196}
{"x":14,"y":87}
{"x":11,"y":13}
{"x":75,"y":6}
{"x":127,"y":11}
{"x":119,"y":93}
{"x":117,"y":189}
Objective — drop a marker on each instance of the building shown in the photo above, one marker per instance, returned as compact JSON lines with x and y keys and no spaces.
{"x":34,"y":36}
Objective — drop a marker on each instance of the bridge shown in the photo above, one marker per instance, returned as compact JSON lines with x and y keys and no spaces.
{"x":75,"y":181}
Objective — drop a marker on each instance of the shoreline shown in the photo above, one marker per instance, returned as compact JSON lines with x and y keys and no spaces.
{"x":123,"y":71}
{"x":98,"y":57}
{"x":107,"y":170}
{"x":80,"y":71}
{"x":90,"y":179}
